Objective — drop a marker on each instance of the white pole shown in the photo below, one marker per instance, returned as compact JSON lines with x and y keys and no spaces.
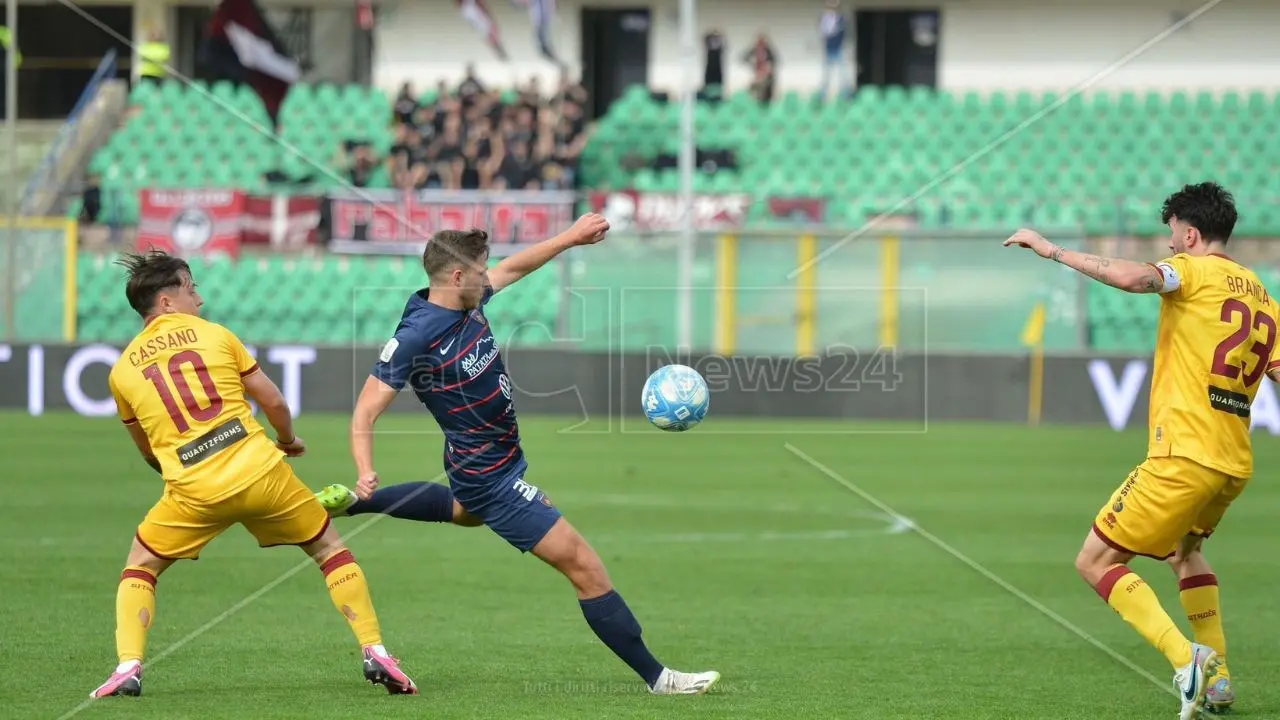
{"x":688,"y":145}
{"x":11,"y":150}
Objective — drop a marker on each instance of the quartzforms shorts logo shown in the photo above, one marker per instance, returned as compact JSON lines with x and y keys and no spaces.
{"x":192,"y":229}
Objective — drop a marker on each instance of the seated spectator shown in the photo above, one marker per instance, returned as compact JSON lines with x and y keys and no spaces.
{"x":359,"y":162}
{"x":470,"y":86}
{"x":764,"y":65}
{"x":406,"y":106}
{"x":91,"y":200}
{"x":477,"y":139}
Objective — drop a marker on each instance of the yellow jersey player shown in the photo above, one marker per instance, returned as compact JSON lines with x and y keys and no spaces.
{"x":181,"y":389}
{"x":1214,"y":345}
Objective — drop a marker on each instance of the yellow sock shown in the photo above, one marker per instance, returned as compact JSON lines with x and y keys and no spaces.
{"x":135,"y":610}
{"x":1131,"y":597}
{"x":1200,"y":599}
{"x":350,"y":594}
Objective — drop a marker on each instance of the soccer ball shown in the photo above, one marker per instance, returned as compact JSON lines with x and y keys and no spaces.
{"x":675,"y":398}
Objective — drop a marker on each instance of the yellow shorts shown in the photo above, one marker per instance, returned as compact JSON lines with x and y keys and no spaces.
{"x":1163,"y":500}
{"x":277,"y":509}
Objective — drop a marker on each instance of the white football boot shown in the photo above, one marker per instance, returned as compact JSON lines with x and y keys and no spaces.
{"x":1190,"y":680}
{"x":674,"y":682}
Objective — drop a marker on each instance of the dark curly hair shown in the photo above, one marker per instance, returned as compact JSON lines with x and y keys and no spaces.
{"x":1207,"y":207}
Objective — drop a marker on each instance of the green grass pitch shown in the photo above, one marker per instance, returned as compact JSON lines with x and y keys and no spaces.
{"x":734,"y":553}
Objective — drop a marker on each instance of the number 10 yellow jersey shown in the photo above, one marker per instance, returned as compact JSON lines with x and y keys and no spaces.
{"x":182,"y":379}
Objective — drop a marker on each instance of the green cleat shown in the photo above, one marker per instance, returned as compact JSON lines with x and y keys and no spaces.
{"x":336,"y":499}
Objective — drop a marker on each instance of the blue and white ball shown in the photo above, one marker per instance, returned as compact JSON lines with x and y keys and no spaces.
{"x":675,"y":398}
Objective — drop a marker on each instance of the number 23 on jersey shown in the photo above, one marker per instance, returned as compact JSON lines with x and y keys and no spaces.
{"x":1236,"y":313}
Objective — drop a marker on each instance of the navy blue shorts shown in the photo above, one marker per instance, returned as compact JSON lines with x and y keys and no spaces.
{"x":518,"y":512}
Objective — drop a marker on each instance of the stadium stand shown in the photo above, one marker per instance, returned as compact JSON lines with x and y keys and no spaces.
{"x":1102,"y":159}
{"x":180,"y":137}
{"x":1106,"y":151}
{"x":1098,"y":163}
{"x":329,"y":300}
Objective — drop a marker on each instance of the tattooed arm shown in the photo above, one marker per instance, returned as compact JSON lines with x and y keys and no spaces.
{"x":1127,"y":275}
{"x":1130,"y":276}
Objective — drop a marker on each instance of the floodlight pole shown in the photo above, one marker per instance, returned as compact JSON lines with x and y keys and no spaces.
{"x":688,"y":150}
{"x":11,"y":152}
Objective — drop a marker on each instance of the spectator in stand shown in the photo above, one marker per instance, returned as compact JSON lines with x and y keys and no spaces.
{"x":832,"y":26}
{"x":569,"y":138}
{"x":470,"y":86}
{"x":713,"y":73}
{"x":91,"y":200}
{"x":153,"y":56}
{"x":764,"y":65}
{"x":361,"y":166}
{"x":406,"y":106}
{"x":478,"y":139}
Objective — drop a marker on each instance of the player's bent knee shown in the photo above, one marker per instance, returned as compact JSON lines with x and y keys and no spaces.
{"x":140,"y":556}
{"x":463,"y":518}
{"x":1096,"y":557}
{"x":326,"y":546}
{"x":566,"y":550}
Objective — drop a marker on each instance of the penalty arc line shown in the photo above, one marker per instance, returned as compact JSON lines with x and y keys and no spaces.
{"x":979,"y":568}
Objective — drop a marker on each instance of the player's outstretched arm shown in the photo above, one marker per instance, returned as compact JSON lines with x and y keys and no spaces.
{"x":1127,"y":275}
{"x":588,"y":230}
{"x":374,"y":400}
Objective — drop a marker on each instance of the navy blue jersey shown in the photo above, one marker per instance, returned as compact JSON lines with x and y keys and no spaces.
{"x":452,"y":362}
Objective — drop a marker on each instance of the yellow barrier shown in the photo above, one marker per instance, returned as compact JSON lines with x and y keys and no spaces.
{"x":1033,"y":337}
{"x":806,"y":307}
{"x":70,"y":279}
{"x":890,"y":280}
{"x":726,"y":294}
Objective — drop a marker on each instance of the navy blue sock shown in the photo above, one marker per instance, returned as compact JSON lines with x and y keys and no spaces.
{"x":421,"y":501}
{"x":612,"y":621}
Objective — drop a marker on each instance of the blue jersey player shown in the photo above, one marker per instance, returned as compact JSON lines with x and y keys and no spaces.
{"x":444,"y":350}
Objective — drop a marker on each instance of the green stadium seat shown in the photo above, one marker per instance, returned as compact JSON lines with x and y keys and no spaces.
{"x":1097,"y":163}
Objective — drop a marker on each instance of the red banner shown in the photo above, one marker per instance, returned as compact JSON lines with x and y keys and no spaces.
{"x":659,"y":212}
{"x":191,"y":222}
{"x":397,"y":222}
{"x":285,"y":222}
{"x":218,"y":222}
{"x":655,"y":212}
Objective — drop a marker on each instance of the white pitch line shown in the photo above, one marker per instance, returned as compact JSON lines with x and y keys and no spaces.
{"x":980,"y":569}
{"x":892,"y":527}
